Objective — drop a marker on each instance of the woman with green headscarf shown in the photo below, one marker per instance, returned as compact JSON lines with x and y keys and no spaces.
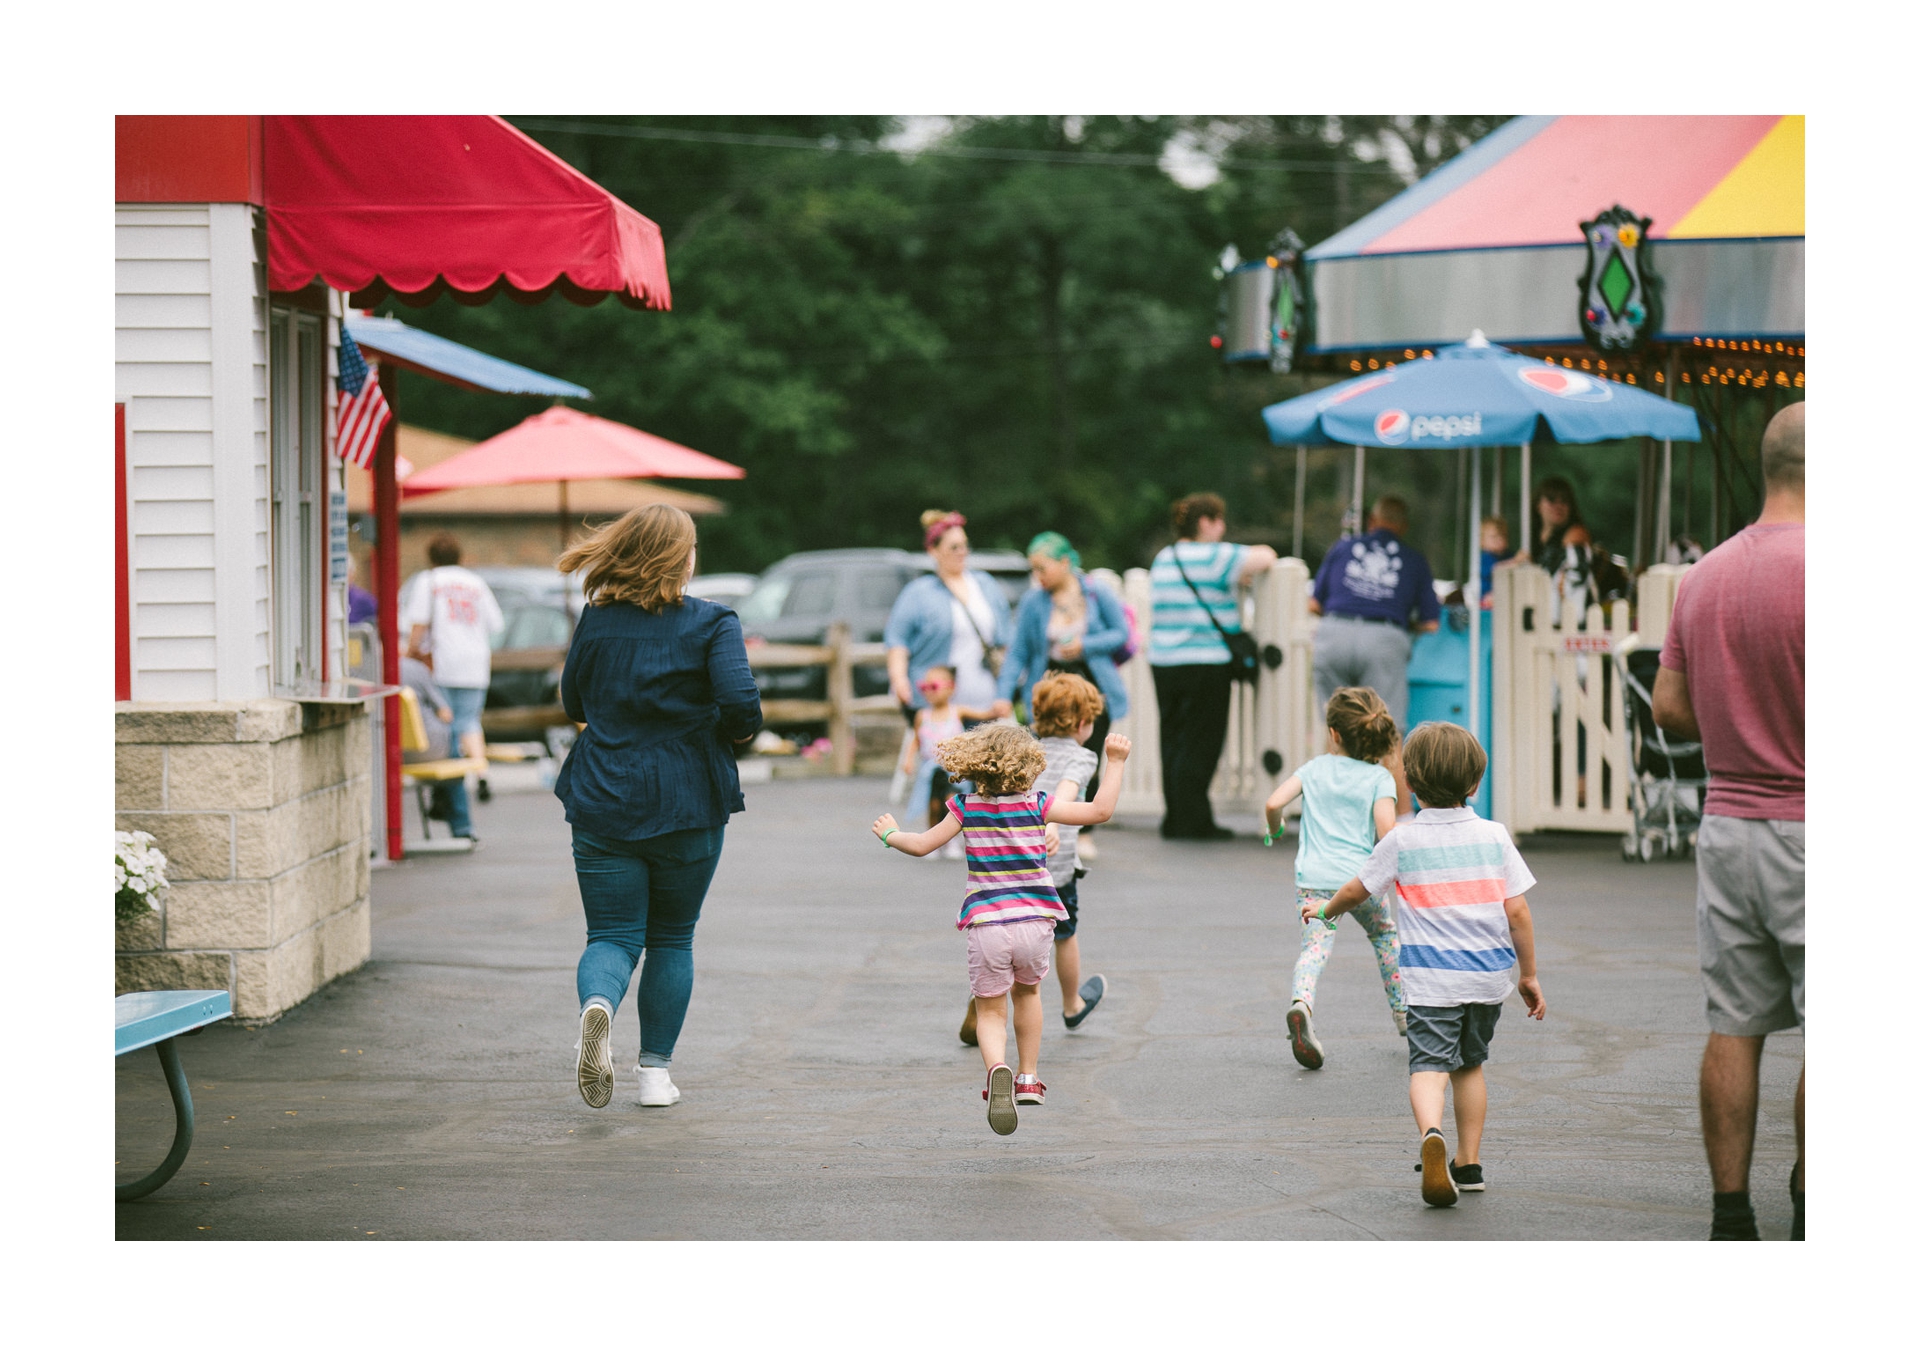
{"x":1067,"y":623}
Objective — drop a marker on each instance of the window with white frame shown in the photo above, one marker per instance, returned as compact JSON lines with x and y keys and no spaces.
{"x":296,"y":371}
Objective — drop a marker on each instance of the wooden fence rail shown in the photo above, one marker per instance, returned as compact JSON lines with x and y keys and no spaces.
{"x":838,"y":656}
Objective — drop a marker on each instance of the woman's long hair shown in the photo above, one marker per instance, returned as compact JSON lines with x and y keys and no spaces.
{"x":1560,"y":490}
{"x":639,"y":558}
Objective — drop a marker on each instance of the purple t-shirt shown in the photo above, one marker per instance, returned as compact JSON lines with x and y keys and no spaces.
{"x":1739,"y":633}
{"x":1377,"y":575}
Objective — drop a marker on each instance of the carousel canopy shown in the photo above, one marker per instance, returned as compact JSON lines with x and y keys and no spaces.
{"x":1492,"y":240}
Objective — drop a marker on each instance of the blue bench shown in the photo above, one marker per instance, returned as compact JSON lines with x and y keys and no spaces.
{"x":143,"y":1019}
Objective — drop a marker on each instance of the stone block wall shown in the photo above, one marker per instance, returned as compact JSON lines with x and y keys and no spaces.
{"x":264,"y":809}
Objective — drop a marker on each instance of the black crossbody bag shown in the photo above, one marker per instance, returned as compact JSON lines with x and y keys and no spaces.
{"x":1243,"y":651}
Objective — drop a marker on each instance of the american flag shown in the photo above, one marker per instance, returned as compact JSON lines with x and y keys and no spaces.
{"x":363,"y":409}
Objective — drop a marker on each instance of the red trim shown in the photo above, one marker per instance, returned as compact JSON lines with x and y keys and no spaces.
{"x":189,"y":159}
{"x":386,"y":554}
{"x":122,"y":590}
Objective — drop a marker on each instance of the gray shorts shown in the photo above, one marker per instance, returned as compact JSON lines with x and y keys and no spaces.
{"x":1442,"y":1040}
{"x":1348,"y":652}
{"x":1751,"y":909}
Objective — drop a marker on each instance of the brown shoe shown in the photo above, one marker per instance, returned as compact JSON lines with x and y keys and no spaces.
{"x":1436,"y":1183}
{"x":967,"y":1034}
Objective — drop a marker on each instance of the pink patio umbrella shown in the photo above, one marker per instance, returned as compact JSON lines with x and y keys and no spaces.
{"x":562,"y":444}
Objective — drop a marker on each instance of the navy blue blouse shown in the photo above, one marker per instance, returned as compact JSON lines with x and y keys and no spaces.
{"x":664,"y":697}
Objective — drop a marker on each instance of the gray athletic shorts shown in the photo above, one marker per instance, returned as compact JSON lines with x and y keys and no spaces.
{"x":1752,"y":906}
{"x":1442,"y":1040}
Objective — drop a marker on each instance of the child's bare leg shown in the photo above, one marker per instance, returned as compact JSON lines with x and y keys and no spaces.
{"x":1427,"y":1090}
{"x":1027,"y":1020}
{"x":1469,"y":1112}
{"x":990,"y":1026}
{"x":1066,"y":964}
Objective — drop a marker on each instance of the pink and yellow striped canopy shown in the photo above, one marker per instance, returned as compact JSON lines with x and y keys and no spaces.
{"x":1535,"y":179}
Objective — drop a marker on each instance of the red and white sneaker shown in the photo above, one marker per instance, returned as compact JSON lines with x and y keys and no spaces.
{"x":1028,"y":1090}
{"x":999,"y":1094}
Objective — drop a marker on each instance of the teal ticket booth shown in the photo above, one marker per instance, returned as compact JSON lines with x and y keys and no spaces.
{"x":1437,"y":686}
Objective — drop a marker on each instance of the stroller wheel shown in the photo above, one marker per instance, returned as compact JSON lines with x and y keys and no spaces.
{"x":1647,"y":845}
{"x":1628,"y":848}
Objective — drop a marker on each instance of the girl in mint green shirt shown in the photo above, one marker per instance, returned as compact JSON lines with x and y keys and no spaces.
{"x":1350,"y":802}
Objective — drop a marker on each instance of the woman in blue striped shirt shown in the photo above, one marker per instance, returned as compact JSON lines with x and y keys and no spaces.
{"x":1194,"y":599}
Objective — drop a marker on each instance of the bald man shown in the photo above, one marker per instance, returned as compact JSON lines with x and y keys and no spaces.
{"x":1733,"y":675}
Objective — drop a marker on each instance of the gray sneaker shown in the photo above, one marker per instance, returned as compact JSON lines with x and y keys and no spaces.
{"x":1306,"y":1046}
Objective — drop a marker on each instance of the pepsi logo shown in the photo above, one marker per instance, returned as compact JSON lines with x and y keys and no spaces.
{"x":1391,"y":427}
{"x":1558,"y":381}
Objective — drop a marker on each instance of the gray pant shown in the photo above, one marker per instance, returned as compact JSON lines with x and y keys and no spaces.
{"x":1352,"y":653}
{"x":1752,"y":911}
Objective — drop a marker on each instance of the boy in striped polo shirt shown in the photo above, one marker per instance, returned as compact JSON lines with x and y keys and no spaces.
{"x":1464,"y":923}
{"x":1010,"y":905}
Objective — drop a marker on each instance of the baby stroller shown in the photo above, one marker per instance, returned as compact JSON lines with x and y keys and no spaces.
{"x":1669,"y":779}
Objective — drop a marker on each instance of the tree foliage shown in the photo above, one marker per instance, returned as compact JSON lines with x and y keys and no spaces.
{"x":1014,"y":321}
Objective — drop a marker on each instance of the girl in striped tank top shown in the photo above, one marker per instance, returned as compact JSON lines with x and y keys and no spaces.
{"x":1010,"y":905}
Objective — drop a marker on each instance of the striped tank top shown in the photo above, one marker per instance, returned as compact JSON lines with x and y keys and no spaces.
{"x":1007,"y":876}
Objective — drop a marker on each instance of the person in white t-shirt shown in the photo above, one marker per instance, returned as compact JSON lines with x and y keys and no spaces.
{"x":450,"y":613}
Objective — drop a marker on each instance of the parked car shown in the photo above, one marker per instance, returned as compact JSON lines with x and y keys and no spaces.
{"x":523,"y":698}
{"x":799,"y":597}
{"x":722,"y":588}
{"x":533,"y":583}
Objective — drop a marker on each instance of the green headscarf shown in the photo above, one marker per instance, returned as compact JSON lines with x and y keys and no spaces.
{"x":1054,"y":547}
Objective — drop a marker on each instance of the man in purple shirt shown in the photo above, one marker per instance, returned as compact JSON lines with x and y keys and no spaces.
{"x":1369,"y":589}
{"x":1733,"y":675}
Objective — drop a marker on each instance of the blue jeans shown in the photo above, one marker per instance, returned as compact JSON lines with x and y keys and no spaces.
{"x":466,"y":703}
{"x":643,"y":897}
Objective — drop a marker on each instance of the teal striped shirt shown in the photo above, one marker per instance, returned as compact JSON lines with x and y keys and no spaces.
{"x":1181,"y":632}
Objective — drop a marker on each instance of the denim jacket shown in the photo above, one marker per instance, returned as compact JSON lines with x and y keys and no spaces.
{"x":1106,"y":634}
{"x":664,"y":696}
{"x":922,"y":622}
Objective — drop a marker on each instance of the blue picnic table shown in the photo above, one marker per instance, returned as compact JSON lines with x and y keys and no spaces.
{"x":143,"y":1019}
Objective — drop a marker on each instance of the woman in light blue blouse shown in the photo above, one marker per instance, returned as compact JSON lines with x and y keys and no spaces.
{"x":954,"y":616}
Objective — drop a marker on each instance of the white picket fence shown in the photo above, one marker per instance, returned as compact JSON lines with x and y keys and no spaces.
{"x":1274,"y":728}
{"x":1537,"y":782}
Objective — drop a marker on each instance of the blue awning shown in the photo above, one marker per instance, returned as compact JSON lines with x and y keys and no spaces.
{"x":456,"y":364}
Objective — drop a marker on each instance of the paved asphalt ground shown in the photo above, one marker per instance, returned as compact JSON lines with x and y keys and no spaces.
{"x":429,"y":1095}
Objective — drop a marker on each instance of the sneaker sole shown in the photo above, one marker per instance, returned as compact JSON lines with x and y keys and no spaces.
{"x":1305,"y":1048}
{"x":1029,"y":1099}
{"x":595,"y":1071}
{"x":1000,"y":1113}
{"x":1469,"y":1186}
{"x":1436,"y":1183}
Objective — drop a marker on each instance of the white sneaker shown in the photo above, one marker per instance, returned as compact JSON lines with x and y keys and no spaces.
{"x":593,"y":1056}
{"x":656,"y":1087}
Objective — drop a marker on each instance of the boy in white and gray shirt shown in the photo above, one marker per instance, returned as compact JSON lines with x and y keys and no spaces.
{"x":1064,"y":708}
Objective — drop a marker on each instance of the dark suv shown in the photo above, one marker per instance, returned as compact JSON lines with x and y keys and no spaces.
{"x":799,"y":597}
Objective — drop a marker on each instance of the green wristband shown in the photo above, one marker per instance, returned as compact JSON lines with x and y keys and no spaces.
{"x":888,"y":834}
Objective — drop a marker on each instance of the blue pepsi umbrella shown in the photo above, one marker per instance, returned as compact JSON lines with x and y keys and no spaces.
{"x":1476,"y":394}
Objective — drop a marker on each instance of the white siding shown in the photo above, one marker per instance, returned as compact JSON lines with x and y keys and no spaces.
{"x":190,"y":366}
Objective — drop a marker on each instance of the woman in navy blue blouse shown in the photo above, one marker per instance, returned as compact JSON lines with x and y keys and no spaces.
{"x":661,"y":682}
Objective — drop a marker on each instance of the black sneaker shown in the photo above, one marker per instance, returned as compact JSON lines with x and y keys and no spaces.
{"x":1467,"y":1177}
{"x":485,"y":791}
{"x":1799,"y":1198}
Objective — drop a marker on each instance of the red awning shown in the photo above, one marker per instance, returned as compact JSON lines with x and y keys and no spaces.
{"x":416,"y":206}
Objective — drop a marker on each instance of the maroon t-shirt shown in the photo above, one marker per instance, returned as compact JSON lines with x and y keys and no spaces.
{"x":1739,"y":633}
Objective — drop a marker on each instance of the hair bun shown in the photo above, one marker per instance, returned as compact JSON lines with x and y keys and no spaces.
{"x":932,"y":516}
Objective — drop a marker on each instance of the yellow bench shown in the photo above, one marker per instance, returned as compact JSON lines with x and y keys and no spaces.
{"x":422,"y":776}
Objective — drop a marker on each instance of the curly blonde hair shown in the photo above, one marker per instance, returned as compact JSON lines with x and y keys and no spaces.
{"x":1000,"y":760}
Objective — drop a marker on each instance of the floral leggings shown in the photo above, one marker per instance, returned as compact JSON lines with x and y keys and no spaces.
{"x":1316,"y":946}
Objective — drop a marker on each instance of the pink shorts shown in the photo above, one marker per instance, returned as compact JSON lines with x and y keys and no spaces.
{"x":1000,"y":955}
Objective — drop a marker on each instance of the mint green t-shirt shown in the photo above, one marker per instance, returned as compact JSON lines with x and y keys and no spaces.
{"x":1336,"y":827}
